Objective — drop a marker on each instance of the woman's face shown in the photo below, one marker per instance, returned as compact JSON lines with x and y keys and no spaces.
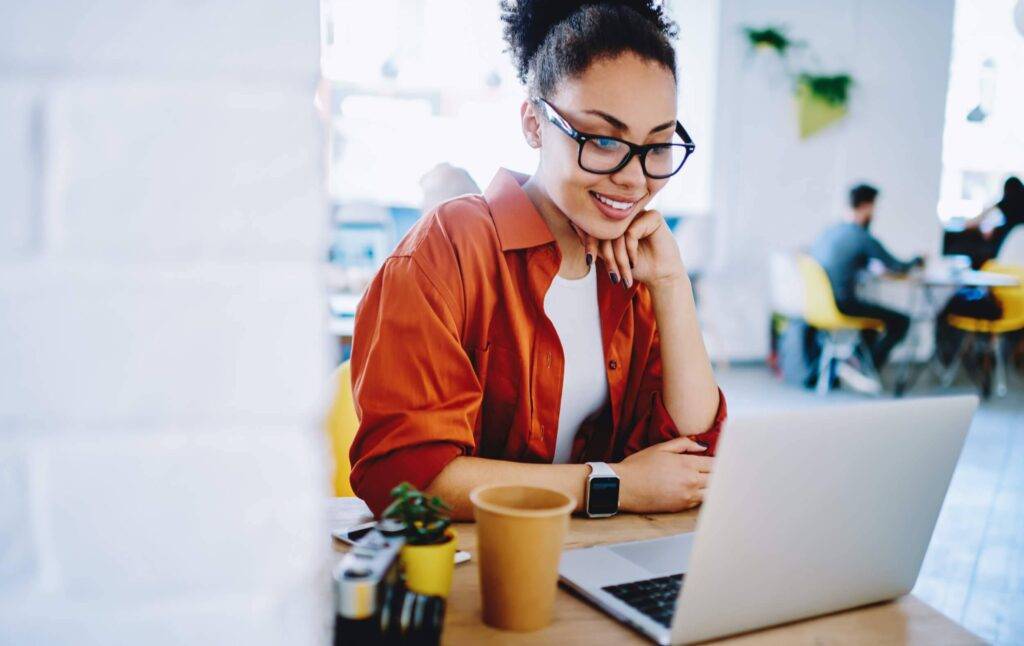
{"x":625,"y":97}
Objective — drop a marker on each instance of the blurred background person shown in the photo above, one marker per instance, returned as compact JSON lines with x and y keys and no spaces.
{"x":443,"y":182}
{"x":844,"y":250}
{"x":1001,"y":219}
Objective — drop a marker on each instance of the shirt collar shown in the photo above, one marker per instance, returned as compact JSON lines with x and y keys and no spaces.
{"x":516,"y":219}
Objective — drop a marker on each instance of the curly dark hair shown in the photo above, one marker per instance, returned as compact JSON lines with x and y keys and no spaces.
{"x":551,"y":40}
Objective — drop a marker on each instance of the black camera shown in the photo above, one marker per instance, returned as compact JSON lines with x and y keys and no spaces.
{"x":371,"y":602}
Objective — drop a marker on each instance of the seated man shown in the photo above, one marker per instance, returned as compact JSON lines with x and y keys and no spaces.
{"x":843,"y":250}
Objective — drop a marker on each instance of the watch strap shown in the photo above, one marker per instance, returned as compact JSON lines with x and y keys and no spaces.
{"x":601,"y":470}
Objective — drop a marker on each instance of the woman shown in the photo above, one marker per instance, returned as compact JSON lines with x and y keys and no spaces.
{"x":517,"y":335}
{"x":987,"y":244}
{"x":979,"y":302}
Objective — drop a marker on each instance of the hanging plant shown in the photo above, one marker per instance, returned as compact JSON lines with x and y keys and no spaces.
{"x":833,"y":90}
{"x":773,"y":38}
{"x":820,"y":101}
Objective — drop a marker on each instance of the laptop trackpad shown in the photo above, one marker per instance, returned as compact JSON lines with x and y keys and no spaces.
{"x":661,"y":556}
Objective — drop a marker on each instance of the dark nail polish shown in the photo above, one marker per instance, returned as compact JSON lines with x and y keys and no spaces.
{"x":704,"y":444}
{"x":615,"y":279}
{"x":590,"y":259}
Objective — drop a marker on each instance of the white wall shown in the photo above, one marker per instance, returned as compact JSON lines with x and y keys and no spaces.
{"x":772,"y":191}
{"x":689,"y":192}
{"x":162,"y":344}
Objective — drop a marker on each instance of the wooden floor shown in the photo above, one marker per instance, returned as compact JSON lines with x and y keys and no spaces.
{"x":974,"y":569}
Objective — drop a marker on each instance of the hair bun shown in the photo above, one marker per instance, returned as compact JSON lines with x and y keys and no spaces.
{"x":528,"y":22}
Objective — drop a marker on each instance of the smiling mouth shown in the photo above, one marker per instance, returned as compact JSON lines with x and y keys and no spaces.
{"x":618,"y":205}
{"x":614,"y":209}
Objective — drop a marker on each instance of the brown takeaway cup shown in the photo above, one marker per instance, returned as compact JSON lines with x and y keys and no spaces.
{"x":520,"y":532}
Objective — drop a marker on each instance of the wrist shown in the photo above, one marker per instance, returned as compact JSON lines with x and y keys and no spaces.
{"x":626,"y":502}
{"x":670,"y":285}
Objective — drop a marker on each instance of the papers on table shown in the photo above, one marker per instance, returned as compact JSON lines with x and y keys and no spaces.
{"x":343,"y":513}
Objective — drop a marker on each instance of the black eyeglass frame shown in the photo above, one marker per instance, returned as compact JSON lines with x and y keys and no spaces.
{"x":582,"y":138}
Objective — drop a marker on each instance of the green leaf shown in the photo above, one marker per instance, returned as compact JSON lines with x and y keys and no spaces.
{"x":833,"y":90}
{"x":426,"y":519}
{"x":771,"y":37}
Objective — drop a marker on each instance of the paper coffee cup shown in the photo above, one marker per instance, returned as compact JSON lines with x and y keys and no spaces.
{"x":520,"y":533}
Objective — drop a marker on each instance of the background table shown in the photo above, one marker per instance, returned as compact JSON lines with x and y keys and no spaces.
{"x":905,"y":621}
{"x":926,"y":294}
{"x":967,"y":278}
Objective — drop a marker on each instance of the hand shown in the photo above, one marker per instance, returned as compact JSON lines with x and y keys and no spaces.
{"x":647,"y":251}
{"x":662,"y":478}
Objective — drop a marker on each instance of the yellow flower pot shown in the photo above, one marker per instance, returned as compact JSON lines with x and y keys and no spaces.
{"x":814,"y":113}
{"x":428,"y":568}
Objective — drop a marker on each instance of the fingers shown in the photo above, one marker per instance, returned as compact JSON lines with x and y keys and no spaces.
{"x":645,"y":224}
{"x":699,"y":447}
{"x":681,"y":445}
{"x":609,"y":258}
{"x":696,"y":499}
{"x":622,"y":254}
{"x":701,"y":463}
{"x":622,"y":260}
{"x":696,"y":488}
{"x":632,"y":249}
{"x":588,"y":243}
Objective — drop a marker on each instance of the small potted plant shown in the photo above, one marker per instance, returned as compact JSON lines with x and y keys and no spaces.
{"x":770,"y":38}
{"x":821,"y":100}
{"x":428,"y":556}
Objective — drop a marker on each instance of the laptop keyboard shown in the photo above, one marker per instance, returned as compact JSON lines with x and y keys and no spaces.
{"x":656,"y":597}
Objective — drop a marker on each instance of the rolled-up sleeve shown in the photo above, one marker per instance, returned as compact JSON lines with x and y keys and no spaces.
{"x":652,"y":423}
{"x":414,"y":386}
{"x":656,"y":426}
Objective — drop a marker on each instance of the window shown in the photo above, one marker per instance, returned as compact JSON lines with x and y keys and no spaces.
{"x":984,"y":134}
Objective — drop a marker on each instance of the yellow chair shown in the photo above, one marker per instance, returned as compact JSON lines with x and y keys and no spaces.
{"x":840,"y":333}
{"x":1011,"y":299}
{"x":342,"y":424}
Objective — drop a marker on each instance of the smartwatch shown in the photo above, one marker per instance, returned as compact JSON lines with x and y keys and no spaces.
{"x":602,"y":491}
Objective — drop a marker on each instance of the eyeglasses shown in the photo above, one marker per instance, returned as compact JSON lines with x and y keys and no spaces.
{"x":605,"y":155}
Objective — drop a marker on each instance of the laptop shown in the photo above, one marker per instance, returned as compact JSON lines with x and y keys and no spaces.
{"x":807,"y":512}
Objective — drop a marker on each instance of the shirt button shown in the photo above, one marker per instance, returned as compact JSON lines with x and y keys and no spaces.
{"x":613,"y":364}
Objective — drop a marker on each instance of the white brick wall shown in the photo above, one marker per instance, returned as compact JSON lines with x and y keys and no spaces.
{"x":223,"y":170}
{"x":153,"y":342}
{"x":163,"y":351}
{"x":255,"y":40}
{"x":19,"y":168}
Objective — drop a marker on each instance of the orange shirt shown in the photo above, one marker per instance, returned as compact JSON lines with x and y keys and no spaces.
{"x":453,"y":354}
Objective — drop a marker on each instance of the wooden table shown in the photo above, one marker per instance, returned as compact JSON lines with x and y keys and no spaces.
{"x":905,"y":621}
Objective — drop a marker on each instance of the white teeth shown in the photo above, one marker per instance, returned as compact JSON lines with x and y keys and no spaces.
{"x":622,"y":206}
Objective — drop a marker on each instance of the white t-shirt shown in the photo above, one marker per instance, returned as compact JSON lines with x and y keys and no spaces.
{"x":572,"y":307}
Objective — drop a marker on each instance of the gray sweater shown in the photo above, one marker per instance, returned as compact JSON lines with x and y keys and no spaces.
{"x":844,"y":249}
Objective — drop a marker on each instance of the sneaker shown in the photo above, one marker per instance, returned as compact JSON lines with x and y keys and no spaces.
{"x":857,"y":380}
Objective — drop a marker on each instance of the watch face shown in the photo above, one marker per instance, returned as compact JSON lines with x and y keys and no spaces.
{"x":604,"y":496}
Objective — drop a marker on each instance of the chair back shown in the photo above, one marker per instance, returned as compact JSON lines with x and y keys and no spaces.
{"x":1012,"y":250}
{"x":820,"y":308}
{"x":1011,"y":299}
{"x":342,"y":424}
